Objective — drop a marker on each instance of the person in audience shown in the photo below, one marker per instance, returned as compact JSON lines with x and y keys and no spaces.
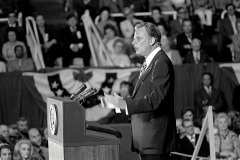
{"x":184,"y":39}
{"x":20,"y":63}
{"x":36,"y":139}
{"x":227,"y":28}
{"x":8,"y":47}
{"x":116,"y":6}
{"x":51,"y":48}
{"x":22,"y":125}
{"x":189,"y":141}
{"x":196,"y":55}
{"x":12,"y":24}
{"x":190,"y":114}
{"x":208,"y":96}
{"x":23,"y":150}
{"x":180,"y":128}
{"x":204,"y":10}
{"x":165,"y":5}
{"x":75,"y":43}
{"x":105,"y":19}
{"x":176,"y":25}
{"x":233,"y":118}
{"x":14,"y":134}
{"x":171,"y":53}
{"x":119,"y":56}
{"x":127,"y":26}
{"x":156,"y":17}
{"x":235,"y":47}
{"x":235,"y":99}
{"x":2,"y":67}
{"x":227,"y":144}
{"x":4,"y":135}
{"x":45,"y":138}
{"x":5,"y":152}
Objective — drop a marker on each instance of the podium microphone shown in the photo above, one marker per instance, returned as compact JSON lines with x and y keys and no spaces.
{"x":78,"y":91}
{"x":88,"y":93}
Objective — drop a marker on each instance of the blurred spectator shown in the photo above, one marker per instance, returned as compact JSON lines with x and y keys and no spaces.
{"x":119,"y":56}
{"x":156,"y":17}
{"x":23,"y":150}
{"x":36,"y":139}
{"x":50,"y":46}
{"x":2,"y":67}
{"x":204,"y":10}
{"x":176,"y":25}
{"x":5,"y":152}
{"x":197,"y":56}
{"x":13,"y":133}
{"x":127,"y":26}
{"x":221,"y":4}
{"x":189,"y":141}
{"x":75,"y":42}
{"x":171,"y":53}
{"x":226,"y":141}
{"x":105,"y":19}
{"x":190,"y":115}
{"x":181,"y":3}
{"x":45,"y":138}
{"x":227,"y":28}
{"x":12,"y":24}
{"x":165,"y":5}
{"x":234,"y":120}
{"x":22,"y":125}
{"x":235,"y":100}
{"x":116,"y":6}
{"x":4,"y":134}
{"x":184,"y":39}
{"x":20,"y":63}
{"x":235,"y":47}
{"x":208,"y":96}
{"x":8,"y":47}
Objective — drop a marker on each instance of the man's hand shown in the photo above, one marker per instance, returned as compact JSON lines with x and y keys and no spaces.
{"x":115,"y":101}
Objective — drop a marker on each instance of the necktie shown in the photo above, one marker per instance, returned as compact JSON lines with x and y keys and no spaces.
{"x":143,"y":68}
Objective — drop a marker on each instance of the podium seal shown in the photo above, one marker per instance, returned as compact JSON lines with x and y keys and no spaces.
{"x":53,"y":119}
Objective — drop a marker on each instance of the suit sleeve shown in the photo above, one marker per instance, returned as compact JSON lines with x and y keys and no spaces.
{"x":160,"y":85}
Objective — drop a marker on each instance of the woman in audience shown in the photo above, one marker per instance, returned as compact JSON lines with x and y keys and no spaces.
{"x":23,"y":150}
{"x":190,"y":115}
{"x":119,"y":56}
{"x":226,"y":141}
{"x":235,"y":47}
{"x":105,"y":19}
{"x":5,"y":152}
{"x":8,"y":47}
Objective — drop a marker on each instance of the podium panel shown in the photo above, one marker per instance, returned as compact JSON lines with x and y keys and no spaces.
{"x":71,"y":137}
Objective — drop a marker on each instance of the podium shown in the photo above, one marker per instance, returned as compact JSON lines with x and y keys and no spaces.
{"x":71,"y":137}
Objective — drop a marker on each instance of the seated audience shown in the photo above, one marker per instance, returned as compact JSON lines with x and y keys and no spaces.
{"x":119,"y":56}
{"x":22,"y":125}
{"x":23,"y":150}
{"x":2,"y":67}
{"x":5,"y":152}
{"x":75,"y":42}
{"x":156,"y":16}
{"x":20,"y":63}
{"x":4,"y":135}
{"x":36,"y":139}
{"x":227,"y":144}
{"x":171,"y":53}
{"x":116,"y":6}
{"x":189,"y":141}
{"x":8,"y":47}
{"x":105,"y":19}
{"x":235,"y":100}
{"x":235,"y":47}
{"x":234,"y":118}
{"x":208,"y":96}
{"x":184,"y":39}
{"x":51,"y":48}
{"x":196,"y":55}
{"x":45,"y":138}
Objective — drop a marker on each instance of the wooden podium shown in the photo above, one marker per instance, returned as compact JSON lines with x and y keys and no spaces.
{"x":72,"y":138}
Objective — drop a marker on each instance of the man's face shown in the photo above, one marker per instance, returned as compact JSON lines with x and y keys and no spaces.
{"x":187,"y":27}
{"x":189,"y":127}
{"x":156,"y":14}
{"x":109,"y":33}
{"x":230,"y":10}
{"x":141,"y":42}
{"x":124,"y":91}
{"x":4,"y":131}
{"x":12,"y":18}
{"x":23,"y":126}
{"x":40,"y":21}
{"x":206,"y":80}
{"x":35,"y":137}
{"x":72,"y":22}
{"x":196,"y":44}
{"x":19,"y":52}
{"x":182,"y":13}
{"x":12,"y":36}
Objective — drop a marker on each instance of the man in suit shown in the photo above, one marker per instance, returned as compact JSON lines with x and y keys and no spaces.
{"x":197,"y":56}
{"x":151,"y":105}
{"x":189,"y":141}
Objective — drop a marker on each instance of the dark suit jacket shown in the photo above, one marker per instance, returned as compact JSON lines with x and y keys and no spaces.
{"x":183,"y":40}
{"x":216,"y":99}
{"x":188,"y":148}
{"x":152,"y":108}
{"x":204,"y":58}
{"x":235,"y":100}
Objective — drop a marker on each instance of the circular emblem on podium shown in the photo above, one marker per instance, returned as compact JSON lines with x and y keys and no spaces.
{"x":53,"y":119}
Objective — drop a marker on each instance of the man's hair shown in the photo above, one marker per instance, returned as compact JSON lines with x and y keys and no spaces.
{"x":129,"y":84}
{"x":156,"y":8}
{"x":230,"y":4}
{"x":15,"y":48}
{"x":186,"y":20}
{"x":151,"y":29}
{"x":104,"y":8}
{"x":22,"y":119}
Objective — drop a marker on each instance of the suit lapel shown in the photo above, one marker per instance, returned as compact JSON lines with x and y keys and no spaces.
{"x":145,"y":74}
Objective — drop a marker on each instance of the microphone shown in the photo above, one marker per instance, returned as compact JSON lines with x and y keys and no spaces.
{"x":81,"y":97}
{"x":78,"y":91}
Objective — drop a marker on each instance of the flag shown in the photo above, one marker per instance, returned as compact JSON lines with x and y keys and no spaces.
{"x":64,"y":82}
{"x":232,"y":70}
